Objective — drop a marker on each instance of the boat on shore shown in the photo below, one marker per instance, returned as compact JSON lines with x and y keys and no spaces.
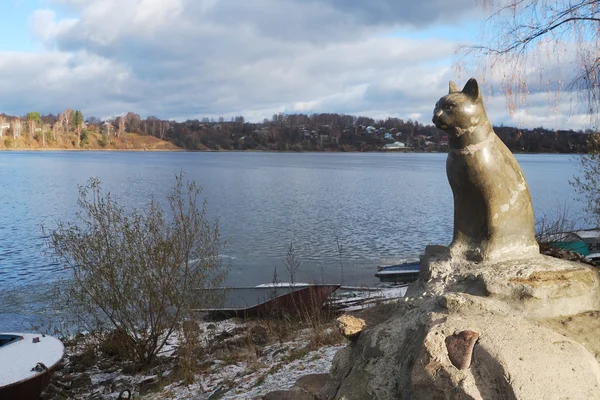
{"x":591,"y":238}
{"x":268,"y":299}
{"x":27,"y":362}
{"x":399,"y":273}
{"x":585,"y":242}
{"x":355,"y":298}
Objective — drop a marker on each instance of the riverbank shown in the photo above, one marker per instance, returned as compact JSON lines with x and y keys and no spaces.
{"x":92,"y":141}
{"x":95,"y":141}
{"x":179,"y":149}
{"x":236,"y":359}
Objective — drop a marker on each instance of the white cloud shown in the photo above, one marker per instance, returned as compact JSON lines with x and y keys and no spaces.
{"x":44,"y":25}
{"x":193,"y":58}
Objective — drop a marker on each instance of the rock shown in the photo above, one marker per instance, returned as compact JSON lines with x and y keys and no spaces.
{"x":50,"y":392}
{"x":54,"y":394}
{"x":288,"y":395}
{"x":312,"y":383}
{"x":219,"y":392}
{"x":259,"y":335}
{"x":350,"y":326}
{"x":121,"y":383}
{"x":129,"y":369}
{"x":79,"y":368}
{"x":148,"y":384}
{"x":222,"y":336}
{"x":68,"y":378}
{"x":106,"y":365}
{"x":526,"y":348}
{"x":460,"y":348}
{"x":533,"y":317}
{"x":81,"y":381}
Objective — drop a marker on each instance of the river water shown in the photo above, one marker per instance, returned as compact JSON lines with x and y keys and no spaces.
{"x":381,"y":208}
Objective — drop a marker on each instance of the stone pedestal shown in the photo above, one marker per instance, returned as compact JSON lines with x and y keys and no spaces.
{"x":533,"y":321}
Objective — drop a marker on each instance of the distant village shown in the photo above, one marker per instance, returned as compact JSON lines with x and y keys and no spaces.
{"x":283,"y":132}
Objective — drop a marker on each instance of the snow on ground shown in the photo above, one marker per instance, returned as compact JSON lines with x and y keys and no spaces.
{"x":277,"y":367}
{"x":242,"y":360}
{"x":280,"y":375}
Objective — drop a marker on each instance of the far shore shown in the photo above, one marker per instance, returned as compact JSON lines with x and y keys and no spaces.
{"x":83,"y":150}
{"x":45,"y":149}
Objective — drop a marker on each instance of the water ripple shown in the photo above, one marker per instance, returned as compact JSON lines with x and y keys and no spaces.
{"x":382,"y":208}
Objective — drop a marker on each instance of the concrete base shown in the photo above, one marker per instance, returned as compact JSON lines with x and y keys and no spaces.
{"x":534,"y":319}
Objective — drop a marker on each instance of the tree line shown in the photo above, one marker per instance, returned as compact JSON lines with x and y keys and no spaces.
{"x":283,"y":132}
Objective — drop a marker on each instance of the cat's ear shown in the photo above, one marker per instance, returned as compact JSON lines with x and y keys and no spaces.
{"x":453,"y":88}
{"x":471,"y":89}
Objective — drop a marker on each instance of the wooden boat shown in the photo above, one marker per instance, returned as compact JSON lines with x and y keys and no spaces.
{"x":399,"y":273}
{"x":26,"y":363}
{"x":269,"y":300}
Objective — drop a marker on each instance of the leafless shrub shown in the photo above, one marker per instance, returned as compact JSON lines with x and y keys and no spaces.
{"x":587,"y":184}
{"x":555,"y":227}
{"x":291,"y":262}
{"x":340,"y":251}
{"x":134,"y":272}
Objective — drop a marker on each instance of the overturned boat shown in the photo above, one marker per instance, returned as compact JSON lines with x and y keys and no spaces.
{"x":269,"y":299}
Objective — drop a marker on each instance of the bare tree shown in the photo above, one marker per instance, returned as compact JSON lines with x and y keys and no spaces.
{"x":55,"y":129}
{"x":528,"y":42}
{"x":79,"y":124}
{"x":132,"y":122}
{"x":2,"y":122}
{"x":291,"y":262}
{"x":16,"y":128}
{"x":542,"y":35}
{"x":587,"y":184}
{"x":163,"y":126}
{"x":138,"y":273}
{"x":120,"y":123}
{"x":64,"y":119}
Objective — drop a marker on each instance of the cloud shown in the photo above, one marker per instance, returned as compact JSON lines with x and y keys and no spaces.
{"x":193,"y":58}
{"x":412,"y":13}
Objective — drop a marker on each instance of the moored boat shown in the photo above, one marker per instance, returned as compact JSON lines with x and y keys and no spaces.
{"x":399,"y":273}
{"x":26,"y":363}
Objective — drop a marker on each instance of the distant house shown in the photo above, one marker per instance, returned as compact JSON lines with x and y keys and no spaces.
{"x":4,"y":126}
{"x":394,"y":146}
{"x":107,"y":126}
{"x":387,"y":136}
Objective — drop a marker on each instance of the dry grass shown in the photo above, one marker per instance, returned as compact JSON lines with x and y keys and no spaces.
{"x":94,"y":141}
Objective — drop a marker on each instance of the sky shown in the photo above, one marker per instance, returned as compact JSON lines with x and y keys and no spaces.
{"x":187,"y":59}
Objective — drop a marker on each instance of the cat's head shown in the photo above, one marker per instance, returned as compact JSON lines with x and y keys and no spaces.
{"x":460,"y":111}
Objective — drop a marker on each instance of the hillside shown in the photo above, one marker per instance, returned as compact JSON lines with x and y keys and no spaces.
{"x":90,"y":141}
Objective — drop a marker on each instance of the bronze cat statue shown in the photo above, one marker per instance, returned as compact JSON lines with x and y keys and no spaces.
{"x":493,"y":214}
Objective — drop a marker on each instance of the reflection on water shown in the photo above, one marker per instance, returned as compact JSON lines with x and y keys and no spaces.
{"x":383,"y":208}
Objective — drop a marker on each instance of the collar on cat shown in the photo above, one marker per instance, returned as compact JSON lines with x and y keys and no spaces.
{"x":472,"y":148}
